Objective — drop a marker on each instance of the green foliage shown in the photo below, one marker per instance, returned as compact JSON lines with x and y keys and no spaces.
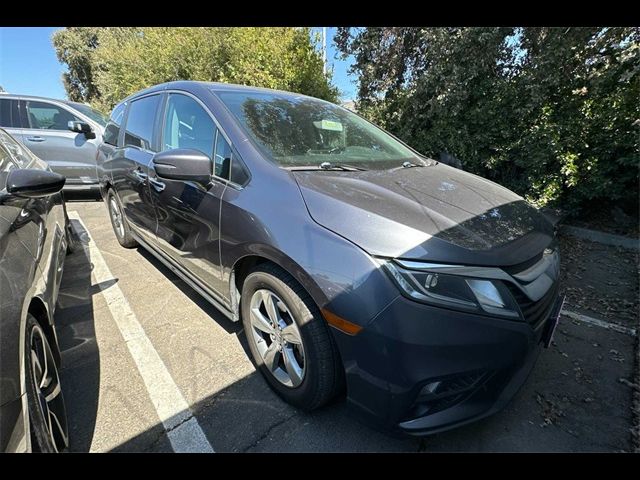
{"x":108,"y":64}
{"x":552,"y":113}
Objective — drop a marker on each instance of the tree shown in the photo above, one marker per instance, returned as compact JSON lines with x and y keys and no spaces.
{"x":549,"y":112}
{"x":107,"y":64}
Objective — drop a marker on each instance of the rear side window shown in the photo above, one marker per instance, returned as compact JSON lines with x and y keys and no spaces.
{"x":47,"y":116}
{"x":9,"y":117}
{"x":140,"y":122}
{"x":112,"y":130}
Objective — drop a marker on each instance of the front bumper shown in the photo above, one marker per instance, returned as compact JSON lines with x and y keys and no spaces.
{"x":419,"y":369}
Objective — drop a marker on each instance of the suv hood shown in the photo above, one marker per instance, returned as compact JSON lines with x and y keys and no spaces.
{"x":434,"y":213}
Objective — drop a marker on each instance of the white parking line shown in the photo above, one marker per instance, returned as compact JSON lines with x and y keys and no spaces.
{"x":183,"y":430}
{"x":599,"y":323}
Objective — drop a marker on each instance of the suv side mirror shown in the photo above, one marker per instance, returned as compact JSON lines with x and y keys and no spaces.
{"x":34,"y":183}
{"x":183,"y":164}
{"x":81,"y":127}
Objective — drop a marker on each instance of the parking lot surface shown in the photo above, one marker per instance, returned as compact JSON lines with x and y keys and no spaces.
{"x":148,"y":365}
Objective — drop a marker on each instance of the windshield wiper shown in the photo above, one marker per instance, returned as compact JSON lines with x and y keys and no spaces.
{"x":340,"y":166}
{"x":326,"y":166}
{"x":411,"y":165}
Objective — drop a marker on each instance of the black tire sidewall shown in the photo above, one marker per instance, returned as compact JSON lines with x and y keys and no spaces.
{"x":303,"y":394}
{"x":38,"y":430}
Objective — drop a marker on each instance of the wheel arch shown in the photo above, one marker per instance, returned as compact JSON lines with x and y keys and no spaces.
{"x":262,"y":254}
{"x":38,"y":308}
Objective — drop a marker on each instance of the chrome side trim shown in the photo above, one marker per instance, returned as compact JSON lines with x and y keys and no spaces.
{"x":186,"y":277}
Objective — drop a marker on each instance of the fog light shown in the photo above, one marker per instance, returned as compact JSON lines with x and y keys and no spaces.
{"x":428,"y":390}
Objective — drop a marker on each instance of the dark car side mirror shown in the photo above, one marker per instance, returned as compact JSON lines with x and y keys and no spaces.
{"x":81,"y":127}
{"x":183,"y":164}
{"x":34,"y":183}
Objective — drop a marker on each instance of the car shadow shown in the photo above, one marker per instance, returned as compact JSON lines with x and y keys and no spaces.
{"x":74,"y":316}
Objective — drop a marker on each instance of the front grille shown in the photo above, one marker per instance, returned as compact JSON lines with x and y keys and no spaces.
{"x":534,"y":312}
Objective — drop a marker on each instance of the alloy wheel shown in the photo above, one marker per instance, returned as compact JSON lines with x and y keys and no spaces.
{"x":49,"y":399}
{"x":277,"y":338}
{"x":116,"y":216}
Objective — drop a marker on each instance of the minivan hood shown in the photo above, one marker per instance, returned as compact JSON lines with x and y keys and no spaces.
{"x":433,"y":213}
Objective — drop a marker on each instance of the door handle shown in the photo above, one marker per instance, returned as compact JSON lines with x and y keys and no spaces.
{"x":140,"y":175}
{"x":35,"y":138}
{"x":158,"y":185}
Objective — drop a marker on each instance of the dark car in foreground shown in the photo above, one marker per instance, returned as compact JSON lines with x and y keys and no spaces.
{"x":33,"y":244}
{"x":353,"y":262}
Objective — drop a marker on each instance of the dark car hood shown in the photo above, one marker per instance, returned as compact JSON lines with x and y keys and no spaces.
{"x":435,"y":213}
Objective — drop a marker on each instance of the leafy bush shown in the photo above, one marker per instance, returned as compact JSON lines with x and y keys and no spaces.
{"x":552,"y":113}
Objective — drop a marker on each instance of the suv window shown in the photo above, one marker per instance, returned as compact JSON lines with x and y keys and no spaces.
{"x":222,"y":158}
{"x":112,"y":130}
{"x":187,"y":125}
{"x":9,"y":116}
{"x":140,"y":122}
{"x":47,"y":116}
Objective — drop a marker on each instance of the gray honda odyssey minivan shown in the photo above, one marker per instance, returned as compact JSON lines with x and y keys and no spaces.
{"x":355,"y":263}
{"x":64,"y":134}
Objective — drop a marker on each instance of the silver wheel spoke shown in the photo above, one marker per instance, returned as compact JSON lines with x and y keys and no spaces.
{"x":275,"y":335}
{"x":37,"y":367}
{"x":292,"y":367}
{"x":54,"y":393}
{"x":291,"y":334}
{"x":271,"y":357}
{"x":259,"y":322}
{"x":270,"y":306}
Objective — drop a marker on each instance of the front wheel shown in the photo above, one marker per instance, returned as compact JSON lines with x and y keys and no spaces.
{"x":47,"y":412}
{"x":289,"y":340}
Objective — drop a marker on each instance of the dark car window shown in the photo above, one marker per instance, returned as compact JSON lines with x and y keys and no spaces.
{"x":20,"y":154}
{"x":47,"y":116}
{"x":9,"y":116}
{"x":222,"y":158}
{"x":140,"y":122}
{"x":187,"y":125}
{"x":112,"y":130}
{"x":6,"y":165}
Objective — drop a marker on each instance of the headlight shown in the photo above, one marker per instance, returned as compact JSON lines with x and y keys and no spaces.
{"x":430,"y":285}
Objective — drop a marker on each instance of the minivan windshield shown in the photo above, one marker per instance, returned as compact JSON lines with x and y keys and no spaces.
{"x":298,"y":131}
{"x":92,"y":113}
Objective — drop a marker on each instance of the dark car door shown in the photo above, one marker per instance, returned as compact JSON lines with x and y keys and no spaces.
{"x":130,"y":165}
{"x":189,"y":213}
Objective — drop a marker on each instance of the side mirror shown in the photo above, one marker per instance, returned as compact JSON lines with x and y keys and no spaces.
{"x":34,"y":183}
{"x":81,"y":127}
{"x":183,"y":164}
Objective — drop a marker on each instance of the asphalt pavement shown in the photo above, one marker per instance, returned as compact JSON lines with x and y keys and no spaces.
{"x":149,"y":366}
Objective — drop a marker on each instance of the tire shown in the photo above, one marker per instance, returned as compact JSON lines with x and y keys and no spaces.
{"x":119,"y":222}
{"x":321,"y":376}
{"x":72,"y":239}
{"x":47,"y":412}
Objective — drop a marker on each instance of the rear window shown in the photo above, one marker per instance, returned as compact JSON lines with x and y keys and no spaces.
{"x":9,"y":117}
{"x":140,"y":122}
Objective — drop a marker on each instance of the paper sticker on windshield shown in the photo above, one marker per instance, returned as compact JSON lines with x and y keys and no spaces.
{"x":328,"y":125}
